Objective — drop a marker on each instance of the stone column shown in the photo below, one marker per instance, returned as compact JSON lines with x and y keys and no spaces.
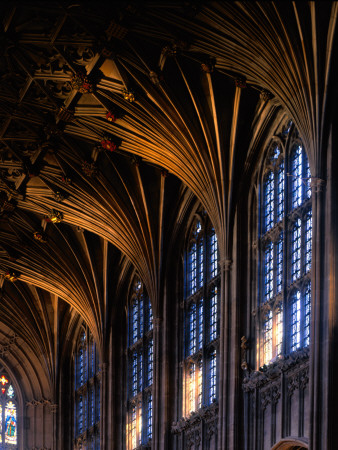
{"x":104,"y":404}
{"x":225,"y":268}
{"x":54,"y":409}
{"x":157,"y":392}
{"x":319,"y":342}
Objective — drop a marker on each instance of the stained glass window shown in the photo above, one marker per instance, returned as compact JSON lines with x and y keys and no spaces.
{"x":201,"y":317}
{"x":8,"y":414}
{"x":87,"y":392}
{"x":140,"y":373}
{"x":285,"y":248}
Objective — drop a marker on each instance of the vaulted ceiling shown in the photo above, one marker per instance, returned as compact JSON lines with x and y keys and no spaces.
{"x":115,"y":119}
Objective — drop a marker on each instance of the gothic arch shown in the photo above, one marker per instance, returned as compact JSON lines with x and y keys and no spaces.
{"x":291,"y":444}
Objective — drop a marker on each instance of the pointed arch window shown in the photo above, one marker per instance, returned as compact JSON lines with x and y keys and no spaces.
{"x":285,"y":249}
{"x":140,"y":368}
{"x":87,"y":392}
{"x":201,"y":318}
{"x":8,"y":414}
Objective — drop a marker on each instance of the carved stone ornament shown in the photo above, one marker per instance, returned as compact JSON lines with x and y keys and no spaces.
{"x":317,"y":184}
{"x":303,"y":378}
{"x":273,"y":371}
{"x":206,"y":414}
{"x":275,"y":393}
{"x":81,"y":82}
{"x":240,"y":82}
{"x":7,"y":346}
{"x":266,"y":95}
{"x":89,"y":169}
{"x":293,"y":384}
{"x":265,"y":398}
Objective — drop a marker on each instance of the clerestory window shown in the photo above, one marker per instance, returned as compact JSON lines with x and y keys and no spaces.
{"x":285,"y":248}
{"x":201,"y":318}
{"x":140,"y":369}
{"x":87,"y":392}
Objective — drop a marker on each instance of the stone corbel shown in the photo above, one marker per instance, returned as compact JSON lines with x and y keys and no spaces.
{"x":317,"y":184}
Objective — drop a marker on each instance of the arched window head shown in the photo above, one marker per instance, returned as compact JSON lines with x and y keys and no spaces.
{"x":285,"y":248}
{"x":201,"y":317}
{"x":87,"y":392}
{"x":8,"y":413}
{"x":140,"y":367}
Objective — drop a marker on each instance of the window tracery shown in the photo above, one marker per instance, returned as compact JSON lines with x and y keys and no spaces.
{"x":201,"y":318}
{"x":140,"y":369}
{"x":285,"y":248}
{"x":8,"y":414}
{"x":87,"y":392}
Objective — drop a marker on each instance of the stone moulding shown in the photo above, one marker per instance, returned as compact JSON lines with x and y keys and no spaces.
{"x":257,"y":378}
{"x":206,"y":414}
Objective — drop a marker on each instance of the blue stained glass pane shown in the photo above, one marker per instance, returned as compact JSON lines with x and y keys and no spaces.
{"x":307,"y":311}
{"x":192,"y":329}
{"x":308,"y":191}
{"x":268,"y":201}
{"x":295,"y":322}
{"x":296,"y":176}
{"x":140,"y":373}
{"x":92,"y":359}
{"x":150,"y":316}
{"x":134,"y":374}
{"x":276,"y":152}
{"x":134,"y":322}
{"x":213,"y":315}
{"x":91,"y":407}
{"x":268,"y":272}
{"x":200,"y":264}
{"x":87,"y":404}
{"x":200,"y":324}
{"x":198,"y":228}
{"x":80,"y":415}
{"x":150,"y":417}
{"x":213,"y":254}
{"x":280,"y":192}
{"x":192,"y":269}
{"x":308,"y":241}
{"x":279,"y":266}
{"x":212,"y":377}
{"x":296,"y":250}
{"x":150,"y":362}
{"x":140,"y":317}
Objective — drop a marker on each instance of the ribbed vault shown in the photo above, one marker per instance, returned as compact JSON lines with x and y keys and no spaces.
{"x":185,"y":94}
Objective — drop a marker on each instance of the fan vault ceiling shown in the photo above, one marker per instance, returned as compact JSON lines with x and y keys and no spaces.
{"x":115,"y":120}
